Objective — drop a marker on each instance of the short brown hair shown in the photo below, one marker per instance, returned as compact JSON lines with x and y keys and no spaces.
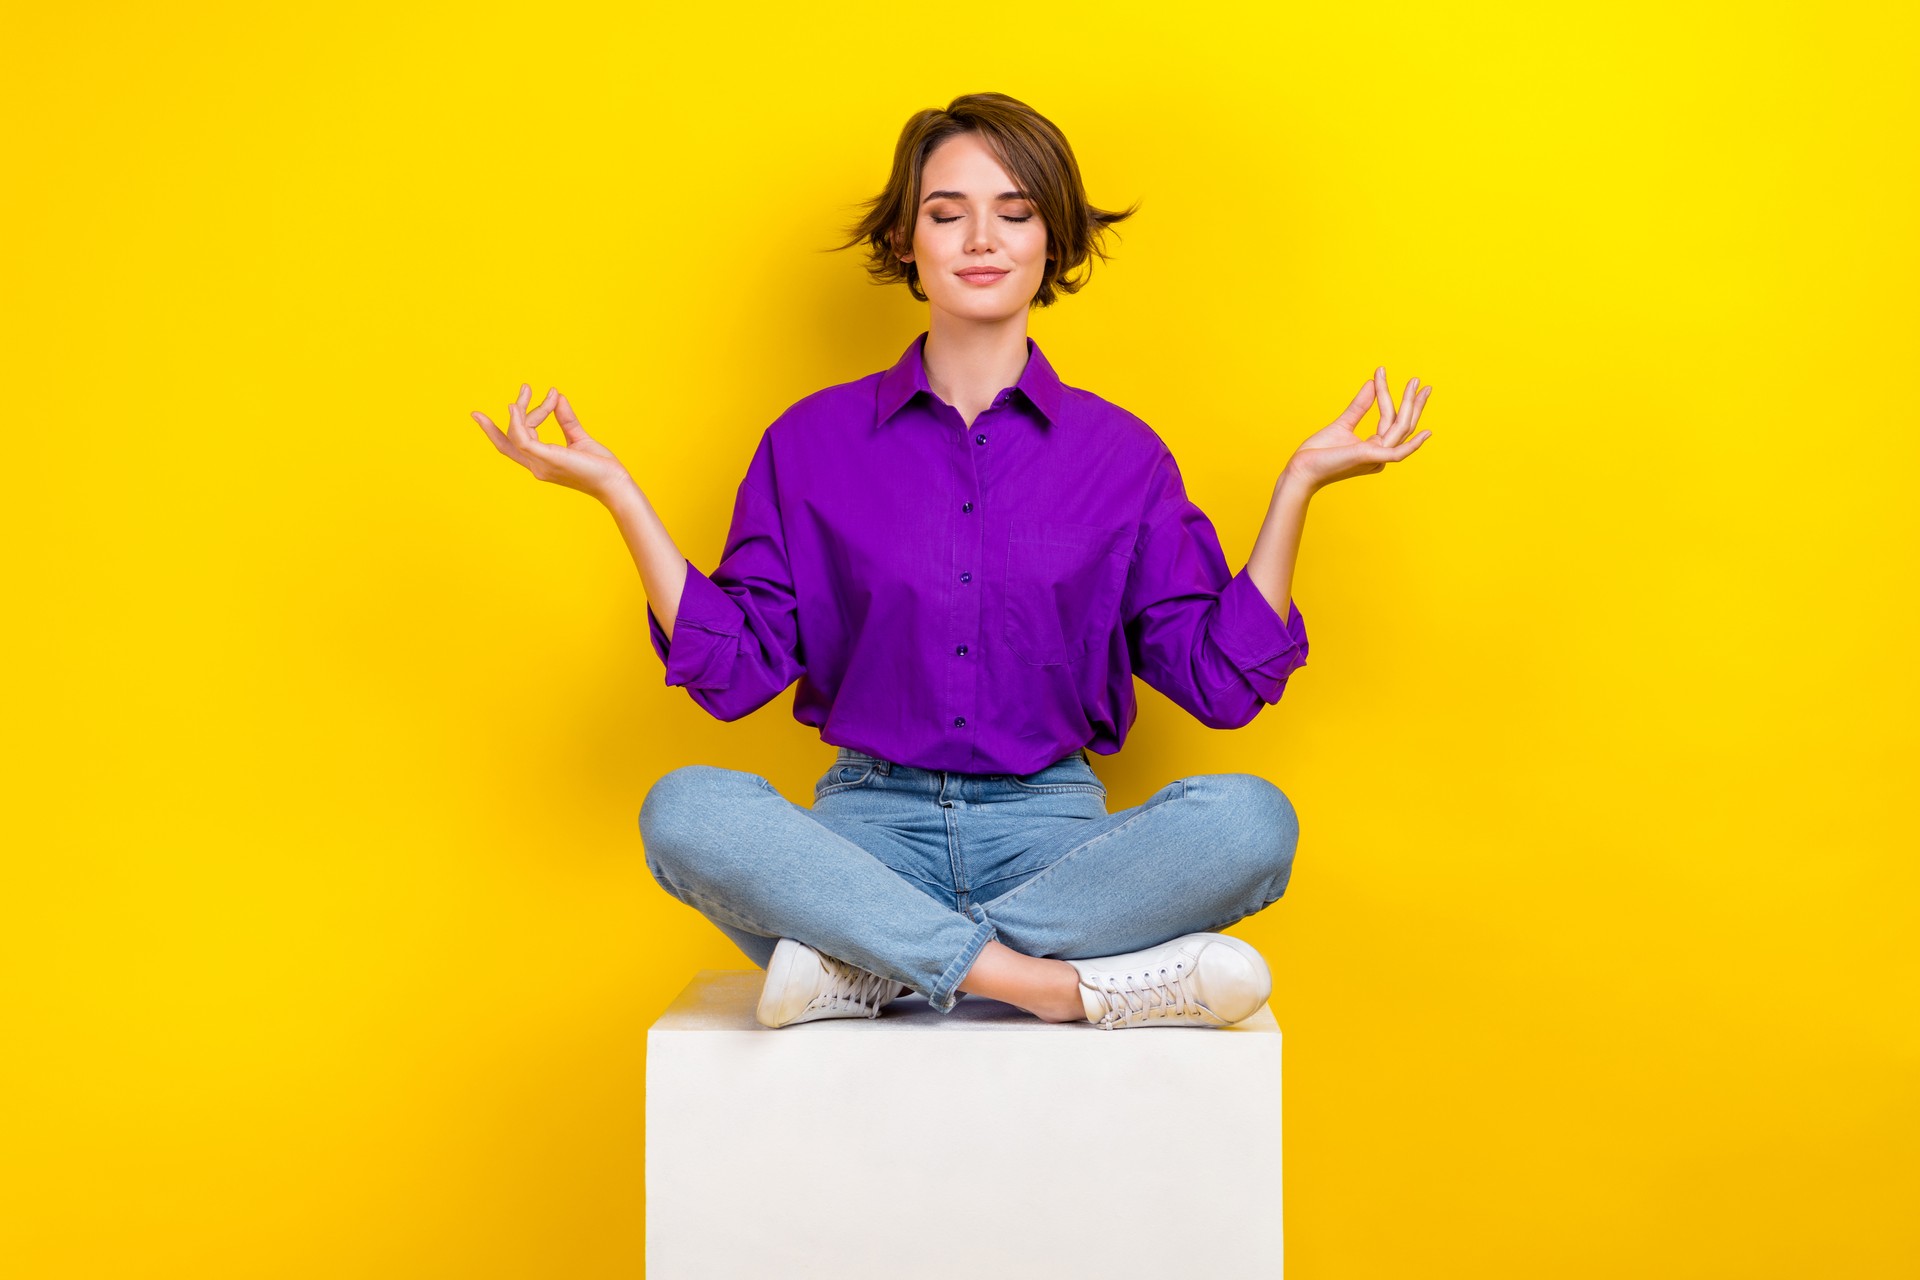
{"x":1031,"y":149}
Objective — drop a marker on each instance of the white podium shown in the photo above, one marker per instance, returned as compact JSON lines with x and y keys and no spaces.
{"x":980,"y":1143}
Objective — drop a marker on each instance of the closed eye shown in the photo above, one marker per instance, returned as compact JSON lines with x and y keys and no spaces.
{"x":1025,"y":217}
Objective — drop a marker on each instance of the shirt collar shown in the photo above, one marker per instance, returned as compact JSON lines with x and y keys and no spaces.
{"x":1038,"y":382}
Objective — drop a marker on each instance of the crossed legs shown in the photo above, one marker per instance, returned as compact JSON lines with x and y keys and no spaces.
{"x":1200,"y":854}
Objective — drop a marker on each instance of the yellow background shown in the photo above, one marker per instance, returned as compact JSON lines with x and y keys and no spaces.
{"x":328,"y":947}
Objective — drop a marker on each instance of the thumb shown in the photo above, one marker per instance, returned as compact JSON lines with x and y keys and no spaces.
{"x":570,"y":423}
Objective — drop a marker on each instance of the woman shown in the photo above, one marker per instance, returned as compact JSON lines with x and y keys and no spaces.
{"x":964,"y":562}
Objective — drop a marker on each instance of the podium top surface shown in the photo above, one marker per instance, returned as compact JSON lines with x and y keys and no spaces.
{"x":724,"y":1000}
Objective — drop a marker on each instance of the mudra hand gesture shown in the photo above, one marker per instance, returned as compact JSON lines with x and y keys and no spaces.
{"x":582,"y":463}
{"x":1337,"y":451}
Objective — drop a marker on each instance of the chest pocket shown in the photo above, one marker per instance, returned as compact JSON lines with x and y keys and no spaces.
{"x":1064,"y":583}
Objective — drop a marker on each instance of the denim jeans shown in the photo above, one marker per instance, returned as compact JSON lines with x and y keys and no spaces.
{"x":908,"y":872}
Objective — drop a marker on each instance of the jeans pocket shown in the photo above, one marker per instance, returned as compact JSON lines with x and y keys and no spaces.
{"x":1064,"y":583}
{"x":1070,"y":774}
{"x":845,"y":777}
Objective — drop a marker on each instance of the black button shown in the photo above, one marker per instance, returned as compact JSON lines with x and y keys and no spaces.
{"x":961,"y":650}
{"x":966,"y":506}
{"x":966,"y":577}
{"x":960,"y":720}
{"x":980,"y":439}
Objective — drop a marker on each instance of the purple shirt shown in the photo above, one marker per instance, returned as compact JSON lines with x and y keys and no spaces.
{"x":975,"y":599}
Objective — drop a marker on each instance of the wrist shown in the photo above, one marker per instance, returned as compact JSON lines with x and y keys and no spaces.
{"x":1292,"y":484}
{"x":623,"y":492}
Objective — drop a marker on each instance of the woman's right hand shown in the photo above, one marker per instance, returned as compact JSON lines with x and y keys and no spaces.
{"x":582,"y":463}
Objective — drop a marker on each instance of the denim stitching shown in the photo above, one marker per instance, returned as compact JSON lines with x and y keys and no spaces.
{"x":1089,"y":787}
{"x":821,"y":793}
{"x":950,"y":980}
{"x":1047,"y":870}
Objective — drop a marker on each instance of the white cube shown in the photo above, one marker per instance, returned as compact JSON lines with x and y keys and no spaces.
{"x":984,"y":1142}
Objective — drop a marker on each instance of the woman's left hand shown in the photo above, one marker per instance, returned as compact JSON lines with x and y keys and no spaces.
{"x":1336,"y":451}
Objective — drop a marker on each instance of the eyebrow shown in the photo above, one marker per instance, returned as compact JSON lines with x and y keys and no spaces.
{"x":961,"y":195}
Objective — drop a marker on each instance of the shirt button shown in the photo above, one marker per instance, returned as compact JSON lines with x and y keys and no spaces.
{"x":980,"y":439}
{"x":966,"y":506}
{"x":966,"y":577}
{"x":960,"y":720}
{"x":961,"y":650}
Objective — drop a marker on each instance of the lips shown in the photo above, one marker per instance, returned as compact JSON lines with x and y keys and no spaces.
{"x":980,"y":274}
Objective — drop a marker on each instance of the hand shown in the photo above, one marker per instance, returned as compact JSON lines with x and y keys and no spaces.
{"x":582,"y":463}
{"x":1336,"y":451}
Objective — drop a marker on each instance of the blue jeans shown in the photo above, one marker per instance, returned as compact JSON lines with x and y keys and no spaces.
{"x":908,"y":872}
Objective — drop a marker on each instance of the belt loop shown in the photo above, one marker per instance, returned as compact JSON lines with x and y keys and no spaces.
{"x":854,"y":753}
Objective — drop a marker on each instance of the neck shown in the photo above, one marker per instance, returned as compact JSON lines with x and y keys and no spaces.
{"x":969,"y":362}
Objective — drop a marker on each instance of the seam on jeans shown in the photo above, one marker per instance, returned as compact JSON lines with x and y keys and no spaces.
{"x":834,"y":788}
{"x":1092,"y":788}
{"x":949,"y":981}
{"x":956,"y":863}
{"x":1047,"y":870}
{"x":910,"y":875}
{"x":981,"y":892}
{"x":984,"y":892}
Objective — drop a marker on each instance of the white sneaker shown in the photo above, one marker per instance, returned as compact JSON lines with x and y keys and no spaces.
{"x":804,"y":985}
{"x":1200,"y":980}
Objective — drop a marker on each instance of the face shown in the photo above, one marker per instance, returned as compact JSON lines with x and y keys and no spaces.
{"x":968,"y":223}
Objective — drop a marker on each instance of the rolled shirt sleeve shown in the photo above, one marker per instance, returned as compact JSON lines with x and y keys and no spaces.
{"x":735,"y":638}
{"x":1200,"y":634}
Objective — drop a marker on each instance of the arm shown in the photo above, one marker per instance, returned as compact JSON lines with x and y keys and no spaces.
{"x":732,"y":638}
{"x":1277,"y":547}
{"x":663,"y":568}
{"x":1209,"y":639}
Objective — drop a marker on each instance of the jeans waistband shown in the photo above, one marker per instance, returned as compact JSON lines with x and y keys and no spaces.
{"x":888,"y":766}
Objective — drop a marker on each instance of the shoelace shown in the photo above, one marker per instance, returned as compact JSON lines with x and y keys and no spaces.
{"x":853,"y":988}
{"x":1137,"y":997}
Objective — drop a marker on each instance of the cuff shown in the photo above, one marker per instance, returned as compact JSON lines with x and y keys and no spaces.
{"x":706,"y":635}
{"x":1255,"y":638}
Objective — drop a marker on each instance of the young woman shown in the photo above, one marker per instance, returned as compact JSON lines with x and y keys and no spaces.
{"x":964,"y":562}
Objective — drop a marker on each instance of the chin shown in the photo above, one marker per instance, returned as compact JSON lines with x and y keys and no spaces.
{"x":979,"y":308}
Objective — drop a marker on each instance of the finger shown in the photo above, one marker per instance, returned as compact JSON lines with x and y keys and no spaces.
{"x":1402,"y":422}
{"x":518,"y":431}
{"x":541,"y":410}
{"x":533,"y":449}
{"x":1356,"y":408}
{"x":1383,"y":395}
{"x":569,"y":423}
{"x":1411,"y":446}
{"x":500,"y":441}
{"x":1418,"y":405}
